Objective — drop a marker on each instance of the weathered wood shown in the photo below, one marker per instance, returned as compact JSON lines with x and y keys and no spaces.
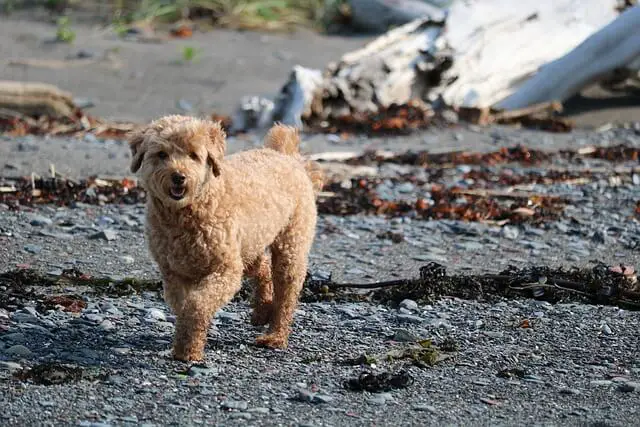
{"x":613,"y":47}
{"x":35,"y":99}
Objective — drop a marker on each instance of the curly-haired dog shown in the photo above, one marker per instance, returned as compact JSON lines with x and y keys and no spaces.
{"x":212,"y":219}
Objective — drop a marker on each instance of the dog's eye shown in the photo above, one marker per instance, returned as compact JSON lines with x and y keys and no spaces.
{"x":194,"y":156}
{"x":162,"y":155}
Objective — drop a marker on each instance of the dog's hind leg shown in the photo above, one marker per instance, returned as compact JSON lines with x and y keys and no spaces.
{"x":289,"y":255}
{"x":262,"y":301}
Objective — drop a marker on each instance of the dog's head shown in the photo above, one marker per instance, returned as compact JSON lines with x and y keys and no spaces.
{"x":177,"y":156}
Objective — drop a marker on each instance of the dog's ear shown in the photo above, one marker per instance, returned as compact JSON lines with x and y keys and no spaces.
{"x":216,"y":146}
{"x":136,"y":145}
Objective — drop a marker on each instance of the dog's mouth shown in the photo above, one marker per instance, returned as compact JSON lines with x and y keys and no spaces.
{"x":177,"y":192}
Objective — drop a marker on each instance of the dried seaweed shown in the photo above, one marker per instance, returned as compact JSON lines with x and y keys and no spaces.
{"x":447,"y":203}
{"x":516,"y":154}
{"x":77,"y":125}
{"x":393,"y":120}
{"x":52,"y":373}
{"x":377,"y":383}
{"x":23,"y":286}
{"x":599,"y":284}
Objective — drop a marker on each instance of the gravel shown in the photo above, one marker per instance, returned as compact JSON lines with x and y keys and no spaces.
{"x":575,"y":365}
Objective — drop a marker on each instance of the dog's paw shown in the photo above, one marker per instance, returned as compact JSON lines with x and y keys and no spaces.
{"x":272,"y":341}
{"x":261,"y":315}
{"x":188,"y":355}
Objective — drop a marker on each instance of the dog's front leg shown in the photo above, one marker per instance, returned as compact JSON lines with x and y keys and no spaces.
{"x":200,"y":303}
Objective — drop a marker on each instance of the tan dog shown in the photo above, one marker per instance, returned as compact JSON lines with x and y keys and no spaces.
{"x":211,"y":219}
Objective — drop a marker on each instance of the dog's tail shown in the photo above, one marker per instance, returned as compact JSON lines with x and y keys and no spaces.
{"x":286,"y":140}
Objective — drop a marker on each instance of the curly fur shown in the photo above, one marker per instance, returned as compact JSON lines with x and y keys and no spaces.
{"x":251,"y":214}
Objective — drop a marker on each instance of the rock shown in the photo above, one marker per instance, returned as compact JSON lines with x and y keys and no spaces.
{"x":409,"y":318}
{"x":259,"y":410}
{"x":15,"y":337}
{"x":201,"y":371}
{"x":12,"y":367}
{"x":409,"y":304}
{"x":107,"y":235}
{"x":127,"y":259}
{"x":600,"y":383}
{"x":402,"y":335}
{"x":425,"y":408}
{"x":33,"y":249}
{"x":18,"y":350}
{"x":227,"y":317}
{"x":154,"y":315}
{"x":238,"y":405}
{"x":567,"y":390}
{"x":509,"y":232}
{"x":241,"y":415}
{"x":39,"y":221}
{"x":107,"y":325}
{"x":304,"y":395}
{"x":629,"y":387}
{"x":93,"y":317}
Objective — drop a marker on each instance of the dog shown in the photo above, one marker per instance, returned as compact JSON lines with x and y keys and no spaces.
{"x":213,"y":219}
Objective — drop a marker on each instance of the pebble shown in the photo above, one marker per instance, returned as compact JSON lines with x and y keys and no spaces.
{"x":201,"y":371}
{"x":409,"y":304}
{"x":600,"y":383}
{"x":241,"y":415}
{"x":425,"y":408}
{"x":239,"y":405}
{"x":107,"y":235}
{"x":18,"y":350}
{"x":402,"y":335}
{"x":10,"y":366}
{"x":572,"y":391}
{"x":509,"y":232}
{"x":154,"y":314}
{"x":227,"y":317}
{"x":16,"y":337}
{"x":629,"y":387}
{"x":377,"y":400}
{"x":33,"y":249}
{"x":127,"y":259}
{"x":39,"y":221}
{"x":409,"y":318}
{"x":107,"y":325}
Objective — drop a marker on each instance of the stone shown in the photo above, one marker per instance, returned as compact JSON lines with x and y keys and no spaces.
{"x":238,"y":405}
{"x":39,"y":221}
{"x":107,"y":235}
{"x":409,"y":304}
{"x":155,"y":314}
{"x":33,"y":249}
{"x":409,"y":318}
{"x":18,"y":350}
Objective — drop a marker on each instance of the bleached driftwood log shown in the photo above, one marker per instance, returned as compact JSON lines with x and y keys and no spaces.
{"x":499,"y":44}
{"x":391,"y":69}
{"x":35,"y":99}
{"x":615,"y":46}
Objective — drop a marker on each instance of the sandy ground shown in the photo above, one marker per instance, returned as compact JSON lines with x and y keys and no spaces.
{"x":144,"y":80}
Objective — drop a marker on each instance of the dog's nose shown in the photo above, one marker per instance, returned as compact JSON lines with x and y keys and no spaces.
{"x":177,"y":178}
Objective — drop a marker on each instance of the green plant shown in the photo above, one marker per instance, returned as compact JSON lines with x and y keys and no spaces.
{"x":190,"y":54}
{"x":64,"y":33}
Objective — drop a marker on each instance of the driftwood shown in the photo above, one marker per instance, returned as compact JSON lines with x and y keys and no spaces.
{"x":35,"y":99}
{"x":613,"y":47}
{"x":488,"y":55}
